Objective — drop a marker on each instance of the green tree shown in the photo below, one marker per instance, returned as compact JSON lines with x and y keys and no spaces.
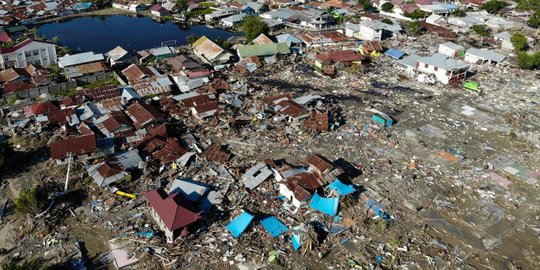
{"x":192,"y":38}
{"x":414,"y":29}
{"x":459,"y":13}
{"x":519,"y":41}
{"x":30,"y":201}
{"x":480,"y":30}
{"x":29,"y":265}
{"x":528,"y":60}
{"x":494,"y":6}
{"x":387,"y":21}
{"x":182,"y":5}
{"x":387,"y":7}
{"x":534,"y":20}
{"x":252,"y":27}
{"x":417,"y":14}
{"x":368,"y":6}
{"x":5,"y":151}
{"x":532,"y":5}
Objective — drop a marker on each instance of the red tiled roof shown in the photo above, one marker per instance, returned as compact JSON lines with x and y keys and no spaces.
{"x":174,"y":210}
{"x":77,"y":145}
{"x":115,"y":121}
{"x":39,"y":108}
{"x":143,"y":114}
{"x":4,"y":37}
{"x":108,"y":169}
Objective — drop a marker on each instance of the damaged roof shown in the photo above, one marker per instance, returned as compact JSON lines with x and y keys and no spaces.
{"x":174,"y":210}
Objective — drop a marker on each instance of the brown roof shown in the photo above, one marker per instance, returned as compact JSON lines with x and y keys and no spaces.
{"x":17,"y":86}
{"x":171,"y":151}
{"x":371,"y":46}
{"x":262,"y":39}
{"x":318,"y":122}
{"x":61,"y":116}
{"x":12,"y":74}
{"x":90,"y":68}
{"x":98,"y":94}
{"x":174,"y":210}
{"x":340,"y":56}
{"x":216,"y":153}
{"x":108,"y":170}
{"x":136,"y":72}
{"x":116,"y":120}
{"x":39,"y":108}
{"x":77,"y":145}
{"x":320,"y":163}
{"x":306,"y":180}
{"x":272,"y":99}
{"x":143,"y":114}
{"x":291,"y":108}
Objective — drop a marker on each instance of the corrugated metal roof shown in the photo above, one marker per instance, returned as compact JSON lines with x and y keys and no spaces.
{"x":487,"y":54}
{"x":80,"y":58}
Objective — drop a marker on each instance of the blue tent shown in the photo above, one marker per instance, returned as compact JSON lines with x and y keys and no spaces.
{"x":328,"y":206}
{"x":273,"y":226}
{"x":341,"y":188}
{"x":240,"y":224}
{"x":394,"y":53}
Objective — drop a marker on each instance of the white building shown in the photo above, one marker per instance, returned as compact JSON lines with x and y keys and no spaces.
{"x":445,"y":70}
{"x":28,"y":52}
{"x":451,"y":49}
{"x":370,"y":30}
{"x":483,"y":56}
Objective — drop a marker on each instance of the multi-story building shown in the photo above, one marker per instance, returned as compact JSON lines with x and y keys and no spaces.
{"x":26,"y":53}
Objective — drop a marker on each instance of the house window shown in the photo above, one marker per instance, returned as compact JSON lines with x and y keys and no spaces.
{"x":27,"y":54}
{"x":36,"y":52}
{"x":436,"y":68}
{"x":426,"y":65}
{"x":6,"y":58}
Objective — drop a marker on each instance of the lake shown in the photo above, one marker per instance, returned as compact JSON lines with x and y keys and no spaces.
{"x":102,"y":33}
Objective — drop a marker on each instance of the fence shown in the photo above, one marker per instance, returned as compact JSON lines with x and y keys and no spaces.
{"x":92,"y":78}
{"x":48,"y":89}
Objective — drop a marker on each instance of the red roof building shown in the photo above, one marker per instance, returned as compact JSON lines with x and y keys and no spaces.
{"x":143,"y":114}
{"x":172,"y":212}
{"x":76,"y":145}
{"x":40,"y":108}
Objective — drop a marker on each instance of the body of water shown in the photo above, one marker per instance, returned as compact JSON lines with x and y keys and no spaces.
{"x":103,"y":33}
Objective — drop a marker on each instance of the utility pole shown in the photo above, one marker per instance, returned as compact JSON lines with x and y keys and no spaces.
{"x":67,"y":175}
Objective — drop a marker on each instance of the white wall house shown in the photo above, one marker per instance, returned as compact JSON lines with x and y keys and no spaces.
{"x":483,"y":56}
{"x":451,"y":49}
{"x":445,"y":70}
{"x":28,"y":52}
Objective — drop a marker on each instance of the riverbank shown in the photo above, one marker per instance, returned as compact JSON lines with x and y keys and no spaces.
{"x":99,"y":12}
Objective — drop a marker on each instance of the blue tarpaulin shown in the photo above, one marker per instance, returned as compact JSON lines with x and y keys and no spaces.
{"x":273,"y":226}
{"x":396,"y":54}
{"x":326,"y":205}
{"x":295,"y":240}
{"x":240,"y":224}
{"x":341,"y":188}
{"x":82,"y":6}
{"x":377,"y":208}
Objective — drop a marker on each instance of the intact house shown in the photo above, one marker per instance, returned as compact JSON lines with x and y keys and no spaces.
{"x":173,"y":213}
{"x":82,"y":64}
{"x":28,"y":52}
{"x":483,"y":56}
{"x":371,"y":30}
{"x":159,"y":11}
{"x":445,"y":70}
{"x":80,"y":146}
{"x":209,"y":52}
{"x":451,"y":49}
{"x":234,"y":20}
{"x":314,"y":19}
{"x":120,"y":56}
{"x":126,"y":5}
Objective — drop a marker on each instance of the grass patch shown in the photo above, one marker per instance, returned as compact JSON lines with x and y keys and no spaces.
{"x":109,"y":81}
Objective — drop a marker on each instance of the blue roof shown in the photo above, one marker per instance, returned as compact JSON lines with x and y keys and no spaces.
{"x":341,"y":188}
{"x":377,"y":208}
{"x":295,"y":240}
{"x":81,"y":6}
{"x":273,"y":226}
{"x":240,"y":224}
{"x":328,"y":206}
{"x":397,"y":54}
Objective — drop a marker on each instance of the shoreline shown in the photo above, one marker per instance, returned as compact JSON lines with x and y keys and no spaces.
{"x":94,"y":13}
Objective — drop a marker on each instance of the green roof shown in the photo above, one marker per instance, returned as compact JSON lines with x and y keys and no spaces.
{"x":263,"y":49}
